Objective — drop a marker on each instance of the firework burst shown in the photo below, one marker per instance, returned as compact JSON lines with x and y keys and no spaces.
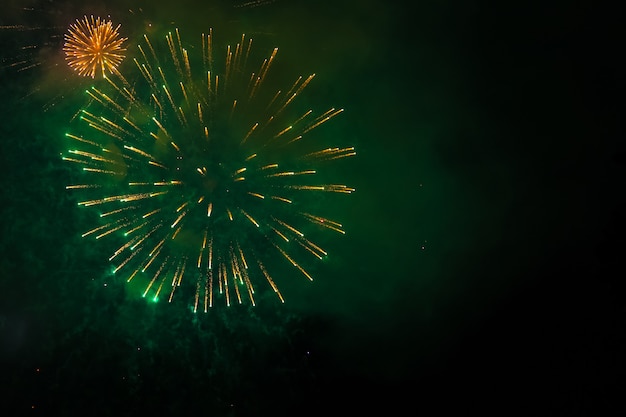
{"x":208,"y":177}
{"x":93,"y":46}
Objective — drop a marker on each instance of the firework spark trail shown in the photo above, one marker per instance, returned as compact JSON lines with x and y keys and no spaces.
{"x":189,"y":168}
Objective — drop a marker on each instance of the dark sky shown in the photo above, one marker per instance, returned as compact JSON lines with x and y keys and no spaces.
{"x":480,"y":268}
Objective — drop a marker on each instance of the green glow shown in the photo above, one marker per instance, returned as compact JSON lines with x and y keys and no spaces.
{"x":187,"y":175}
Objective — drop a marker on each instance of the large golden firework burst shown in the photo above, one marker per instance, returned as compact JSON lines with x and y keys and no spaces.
{"x":93,"y":46}
{"x":207,"y":173}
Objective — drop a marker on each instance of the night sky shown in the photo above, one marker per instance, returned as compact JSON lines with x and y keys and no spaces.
{"x":480,"y":271}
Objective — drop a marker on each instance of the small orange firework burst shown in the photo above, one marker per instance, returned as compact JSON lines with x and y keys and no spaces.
{"x":93,"y":46}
